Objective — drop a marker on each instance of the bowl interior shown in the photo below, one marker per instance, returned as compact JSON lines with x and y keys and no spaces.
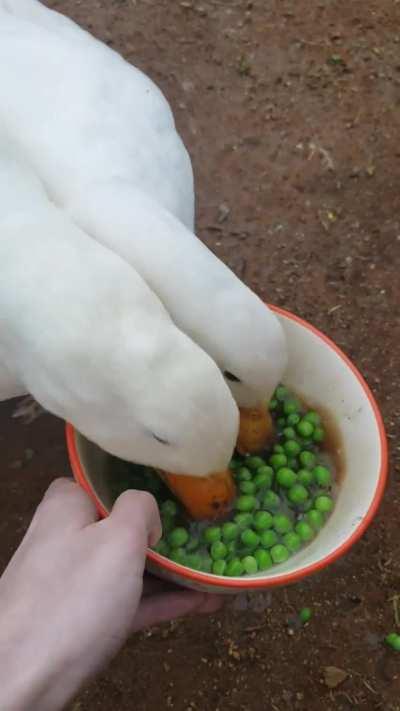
{"x":326,"y":380}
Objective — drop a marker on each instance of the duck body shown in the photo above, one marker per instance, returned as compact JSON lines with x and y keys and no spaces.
{"x":83,"y":115}
{"x":102,"y":138}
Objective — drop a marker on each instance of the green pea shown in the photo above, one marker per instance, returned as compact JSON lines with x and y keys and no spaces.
{"x":322,"y":476}
{"x":263,"y":520}
{"x":250,"y":565}
{"x":268,"y":539}
{"x":244,"y":520}
{"x":277,"y":461}
{"x":194,"y":560}
{"x":263,"y":478}
{"x":282,"y":523}
{"x":219,"y":567}
{"x":263,"y":558}
{"x":291,"y":406}
{"x":298,"y":494}
{"x":393,"y":641}
{"x":247,"y":487}
{"x":313,"y":417}
{"x":162,"y":547}
{"x":230,"y":531}
{"x":218,"y":550}
{"x":281,"y":393}
{"x":178,"y":555}
{"x":305,"y":615}
{"x":292,"y":541}
{"x":250,"y":538}
{"x":319,"y":435}
{"x":243,"y":474}
{"x":315,"y":519}
{"x":178,"y":537}
{"x":254,"y":462}
{"x":305,"y":477}
{"x":324,"y":504}
{"x":286,"y":477}
{"x":271,"y":501}
{"x":289,"y":433}
{"x":212,"y":534}
{"x":292,"y":448}
{"x":278,"y":449}
{"x":169,"y":508}
{"x":390,"y":638}
{"x":293,"y":419}
{"x":234,"y":568}
{"x":246,"y":503}
{"x":193,"y":544}
{"x":281,"y":422}
{"x":396,"y":644}
{"x":307,"y":460}
{"x":279,"y":553}
{"x":304,"y":530}
{"x":305,"y":429}
{"x":273,"y":404}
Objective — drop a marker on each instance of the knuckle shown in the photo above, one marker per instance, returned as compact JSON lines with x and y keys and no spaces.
{"x":60,"y":492}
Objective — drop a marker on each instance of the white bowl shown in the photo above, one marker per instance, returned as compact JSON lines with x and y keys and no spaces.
{"x":321,"y":374}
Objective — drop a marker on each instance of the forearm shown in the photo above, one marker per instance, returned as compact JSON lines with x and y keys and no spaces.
{"x":28,"y":681}
{"x":39,"y":670}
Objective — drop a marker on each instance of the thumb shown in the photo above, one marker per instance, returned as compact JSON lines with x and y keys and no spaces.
{"x":135,"y":517}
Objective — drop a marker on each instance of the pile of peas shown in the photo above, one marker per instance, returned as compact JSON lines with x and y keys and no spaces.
{"x":284,"y":498}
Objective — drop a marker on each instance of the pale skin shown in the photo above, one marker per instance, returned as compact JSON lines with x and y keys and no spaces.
{"x":73,"y":593}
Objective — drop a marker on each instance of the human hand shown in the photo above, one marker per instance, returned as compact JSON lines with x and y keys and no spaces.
{"x":73,"y":592}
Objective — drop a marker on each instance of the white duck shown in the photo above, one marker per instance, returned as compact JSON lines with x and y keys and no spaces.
{"x":83,"y":333}
{"x":102,"y":139}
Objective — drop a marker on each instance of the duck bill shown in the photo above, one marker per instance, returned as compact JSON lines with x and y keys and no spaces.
{"x":206,"y":497}
{"x":256,"y":430}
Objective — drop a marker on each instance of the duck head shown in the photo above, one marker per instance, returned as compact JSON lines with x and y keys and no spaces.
{"x":250,"y":349}
{"x":249,"y":346}
{"x":186,"y":419}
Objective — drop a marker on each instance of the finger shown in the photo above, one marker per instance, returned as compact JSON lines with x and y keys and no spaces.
{"x":64,"y":506}
{"x":135,"y":516}
{"x":164,"y":607}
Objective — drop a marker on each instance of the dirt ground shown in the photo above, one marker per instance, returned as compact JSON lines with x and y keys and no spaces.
{"x":290,"y":111}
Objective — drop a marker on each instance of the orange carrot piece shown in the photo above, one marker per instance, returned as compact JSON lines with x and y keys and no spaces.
{"x":256,"y":430}
{"x":206,"y":497}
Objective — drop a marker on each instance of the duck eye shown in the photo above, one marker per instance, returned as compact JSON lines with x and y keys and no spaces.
{"x":160,"y":439}
{"x":231,"y":377}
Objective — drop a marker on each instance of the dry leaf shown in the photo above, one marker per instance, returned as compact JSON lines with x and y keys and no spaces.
{"x":333,"y":677}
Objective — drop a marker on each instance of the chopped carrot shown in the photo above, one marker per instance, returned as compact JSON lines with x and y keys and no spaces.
{"x":256,"y":430}
{"x":204,"y":497}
